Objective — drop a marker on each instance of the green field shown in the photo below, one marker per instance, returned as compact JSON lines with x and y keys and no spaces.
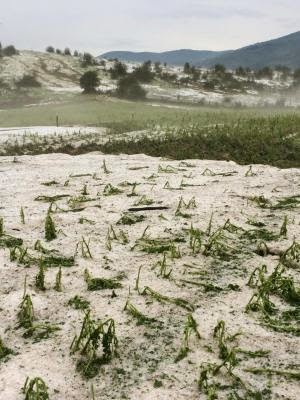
{"x":245,"y":135}
{"x":102,"y":110}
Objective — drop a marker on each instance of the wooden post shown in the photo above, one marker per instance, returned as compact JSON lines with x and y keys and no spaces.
{"x":57,"y":121}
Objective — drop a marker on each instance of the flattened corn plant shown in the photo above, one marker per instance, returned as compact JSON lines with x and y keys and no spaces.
{"x":94,"y":284}
{"x":94,"y":336}
{"x":35,"y":389}
{"x":141,"y":319}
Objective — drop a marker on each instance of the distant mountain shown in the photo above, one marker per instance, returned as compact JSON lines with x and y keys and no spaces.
{"x":175,"y":57}
{"x":281,"y":51}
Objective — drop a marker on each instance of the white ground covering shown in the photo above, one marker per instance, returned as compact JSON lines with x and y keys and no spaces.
{"x":145,"y":354}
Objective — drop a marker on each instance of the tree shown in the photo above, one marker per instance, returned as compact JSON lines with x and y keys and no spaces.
{"x":87,"y":60}
{"x":265,"y":72}
{"x":119,"y":70}
{"x":76,"y":54}
{"x":58,"y":51}
{"x":158,"y":68}
{"x":187,"y":68}
{"x":219,"y":69}
{"x":129,"y":88}
{"x":240,"y":71}
{"x":297,"y":76}
{"x":67,"y":51}
{"x":9,"y":51}
{"x":50,"y":49}
{"x":144,"y":73}
{"x":89,"y":81}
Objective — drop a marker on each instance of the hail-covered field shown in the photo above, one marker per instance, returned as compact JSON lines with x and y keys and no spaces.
{"x":131,"y":277}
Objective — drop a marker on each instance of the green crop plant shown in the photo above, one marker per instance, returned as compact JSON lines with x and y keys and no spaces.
{"x":85,"y":248}
{"x":22,"y":216}
{"x":58,"y":284}
{"x":178,"y":212}
{"x":151,"y":246}
{"x":287,"y":203}
{"x":1,"y":226}
{"x":79,"y":303}
{"x":20,"y":254}
{"x":94,"y":284}
{"x":250,"y":173}
{"x":130,"y":219}
{"x":35,"y":389}
{"x":84,"y":191}
{"x":40,"y":278}
{"x":275,"y":284}
{"x":209,"y":227}
{"x":225,"y":353}
{"x":283,"y":229}
{"x":133,"y":192}
{"x":120,"y":236}
{"x":260,"y":234}
{"x":26,"y":312}
{"x":51,"y":199}
{"x":195,"y":241}
{"x":168,"y":169}
{"x":110,"y":190}
{"x":40,"y":331}
{"x":261,"y":201}
{"x":175,"y":252}
{"x":4,"y":351}
{"x":83,"y":220}
{"x":94,"y":335}
{"x":291,"y":257}
{"x":147,"y":291}
{"x":216,"y":246}
{"x":169,"y":187}
{"x":190,"y":327}
{"x":135,"y":313}
{"x":164,"y":272}
{"x":104,"y":167}
{"x":8,"y":241}
{"x":50,"y":230}
{"x":143,"y":201}
{"x":273,"y":371}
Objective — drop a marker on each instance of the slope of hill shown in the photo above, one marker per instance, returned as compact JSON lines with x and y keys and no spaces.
{"x":176,"y":57}
{"x":48,"y":69}
{"x":281,"y":51}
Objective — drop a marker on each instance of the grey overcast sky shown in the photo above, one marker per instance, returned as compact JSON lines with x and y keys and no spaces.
{"x":151,"y":25}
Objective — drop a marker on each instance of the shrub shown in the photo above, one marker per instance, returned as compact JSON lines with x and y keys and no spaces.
{"x":28,"y":81}
{"x":129,"y":88}
{"x":89,"y":81}
{"x":50,"y":49}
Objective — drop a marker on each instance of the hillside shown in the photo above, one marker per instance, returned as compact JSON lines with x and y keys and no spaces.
{"x":281,"y":51}
{"x":50,"y":70}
